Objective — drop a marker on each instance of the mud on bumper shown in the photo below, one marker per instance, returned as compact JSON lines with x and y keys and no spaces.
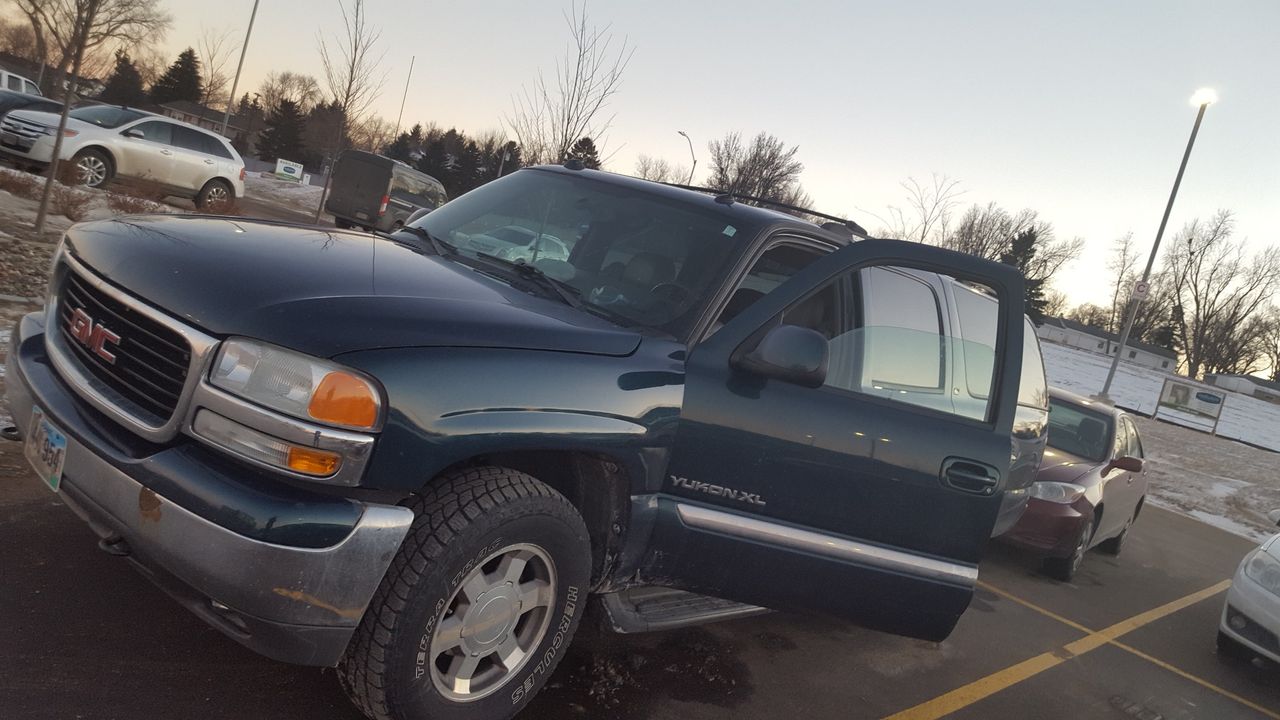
{"x":296,"y":603}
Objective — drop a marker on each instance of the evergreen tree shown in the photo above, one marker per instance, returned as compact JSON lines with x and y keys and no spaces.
{"x":321,"y":128}
{"x":124,"y":87}
{"x":1022,"y":250}
{"x":180,"y":82}
{"x":283,"y":136}
{"x":404,"y":146}
{"x":585,"y":150}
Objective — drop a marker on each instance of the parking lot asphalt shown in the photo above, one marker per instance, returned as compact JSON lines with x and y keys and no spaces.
{"x":84,"y":636}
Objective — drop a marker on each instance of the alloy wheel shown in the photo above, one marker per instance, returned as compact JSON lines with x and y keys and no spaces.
{"x":93,"y":171}
{"x":494,"y":620}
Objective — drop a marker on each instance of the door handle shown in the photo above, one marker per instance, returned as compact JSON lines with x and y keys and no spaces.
{"x":969,"y":476}
{"x":208,"y":162}
{"x":166,"y":152}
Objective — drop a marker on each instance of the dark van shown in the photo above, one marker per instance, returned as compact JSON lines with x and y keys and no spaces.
{"x":377,"y":193}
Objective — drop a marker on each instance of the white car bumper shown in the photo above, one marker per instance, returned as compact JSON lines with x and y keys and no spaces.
{"x":41,"y":151}
{"x":1251,"y":615}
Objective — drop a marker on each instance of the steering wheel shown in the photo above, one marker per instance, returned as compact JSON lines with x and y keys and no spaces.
{"x":673,"y":293}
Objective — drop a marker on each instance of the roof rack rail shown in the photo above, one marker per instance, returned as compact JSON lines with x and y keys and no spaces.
{"x":835,"y":223}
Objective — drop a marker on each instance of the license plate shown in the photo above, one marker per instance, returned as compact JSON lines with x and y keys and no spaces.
{"x":46,"y":449}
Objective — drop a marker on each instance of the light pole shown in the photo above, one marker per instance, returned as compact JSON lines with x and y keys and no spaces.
{"x":1204,"y":98}
{"x":226,"y":115}
{"x":691,"y":156}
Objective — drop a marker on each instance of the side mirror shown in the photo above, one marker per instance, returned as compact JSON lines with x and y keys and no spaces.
{"x":1274,"y":516}
{"x":1128,"y":464}
{"x":135,"y":133}
{"x":789,"y":353}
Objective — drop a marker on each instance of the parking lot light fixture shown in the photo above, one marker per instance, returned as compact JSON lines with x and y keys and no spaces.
{"x":1203,"y":97}
{"x":692,"y":157}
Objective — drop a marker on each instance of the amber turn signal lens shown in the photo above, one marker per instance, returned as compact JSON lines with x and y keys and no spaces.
{"x":312,"y":461}
{"x":344,"y":399}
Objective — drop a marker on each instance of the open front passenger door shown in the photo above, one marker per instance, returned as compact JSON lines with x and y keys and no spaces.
{"x":825,"y":461}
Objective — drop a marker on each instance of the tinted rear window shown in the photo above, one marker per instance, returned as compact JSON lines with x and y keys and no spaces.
{"x":201,"y":142}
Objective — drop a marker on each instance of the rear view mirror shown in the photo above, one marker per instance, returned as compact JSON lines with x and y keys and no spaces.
{"x":789,"y":353}
{"x":1128,"y":464}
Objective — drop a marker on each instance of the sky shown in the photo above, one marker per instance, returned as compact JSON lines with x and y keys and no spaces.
{"x":1077,"y":110}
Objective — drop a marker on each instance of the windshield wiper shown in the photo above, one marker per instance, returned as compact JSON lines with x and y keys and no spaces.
{"x":566,"y":293}
{"x":440,"y":247}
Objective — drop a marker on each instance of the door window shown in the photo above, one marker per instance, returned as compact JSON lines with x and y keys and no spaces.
{"x":979,"y":316}
{"x":31,"y":87}
{"x":197,"y":141}
{"x":1033,"y":390}
{"x":903,"y":349}
{"x":155,"y":131}
{"x":14,"y":83}
{"x":776,"y":265}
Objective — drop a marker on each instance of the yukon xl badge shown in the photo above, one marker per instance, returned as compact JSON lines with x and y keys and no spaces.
{"x":717,"y":490}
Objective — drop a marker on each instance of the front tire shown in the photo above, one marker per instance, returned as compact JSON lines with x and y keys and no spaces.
{"x":92,"y":168}
{"x":1064,"y":569}
{"x":479,"y":605}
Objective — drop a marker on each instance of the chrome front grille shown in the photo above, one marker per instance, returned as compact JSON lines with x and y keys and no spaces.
{"x":147,"y":366}
{"x":145,"y":371}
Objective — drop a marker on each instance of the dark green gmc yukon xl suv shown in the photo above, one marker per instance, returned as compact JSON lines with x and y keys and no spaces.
{"x":417,"y":461}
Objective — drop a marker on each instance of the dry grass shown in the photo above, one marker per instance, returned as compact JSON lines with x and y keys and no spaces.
{"x":71,"y":202}
{"x":24,"y":185}
{"x":130,"y":205}
{"x":144,"y":189}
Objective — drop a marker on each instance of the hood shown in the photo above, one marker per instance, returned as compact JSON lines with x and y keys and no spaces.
{"x":1063,"y":467}
{"x":326,"y":292}
{"x":51,"y":120}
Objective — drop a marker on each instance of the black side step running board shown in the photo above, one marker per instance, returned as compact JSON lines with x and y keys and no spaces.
{"x":650,"y":608}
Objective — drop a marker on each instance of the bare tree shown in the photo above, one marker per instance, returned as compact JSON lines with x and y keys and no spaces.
{"x":548,"y":117}
{"x":659,"y":170}
{"x":303,"y":90}
{"x":150,"y":61}
{"x":19,"y":38}
{"x":1219,"y":287}
{"x":1055,"y":302}
{"x":215,"y":48}
{"x":350,"y":63}
{"x":1088,"y":314}
{"x":764,"y":168}
{"x":1124,"y":258}
{"x":1271,"y":341}
{"x":372,"y":133}
{"x":68,"y":30}
{"x":926,"y":214}
{"x":78,"y":26}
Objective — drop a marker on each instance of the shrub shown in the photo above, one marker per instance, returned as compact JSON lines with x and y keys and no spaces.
{"x":130,"y":205}
{"x":71,"y":202}
{"x":24,"y":185}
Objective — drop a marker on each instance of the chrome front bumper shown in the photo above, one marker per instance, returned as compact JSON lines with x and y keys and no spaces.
{"x":296,"y":604}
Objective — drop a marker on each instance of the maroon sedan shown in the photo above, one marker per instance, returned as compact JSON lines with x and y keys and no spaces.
{"x":1090,"y":487}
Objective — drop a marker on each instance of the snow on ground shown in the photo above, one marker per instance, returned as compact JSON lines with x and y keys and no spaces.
{"x":1214,"y":479}
{"x":296,"y":196}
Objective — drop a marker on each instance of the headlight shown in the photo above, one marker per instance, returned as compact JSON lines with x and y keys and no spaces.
{"x":1264,"y":570}
{"x":296,"y":384}
{"x":1056,"y":492}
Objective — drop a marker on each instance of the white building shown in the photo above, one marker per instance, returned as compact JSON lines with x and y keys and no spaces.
{"x":1247,"y":385}
{"x":1086,"y":337}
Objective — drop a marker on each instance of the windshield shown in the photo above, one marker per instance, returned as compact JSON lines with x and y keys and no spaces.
{"x":643,"y":260}
{"x":1078,"y":430}
{"x":106,"y":116}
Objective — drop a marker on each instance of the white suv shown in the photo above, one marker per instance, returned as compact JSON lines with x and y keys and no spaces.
{"x":105,"y":142}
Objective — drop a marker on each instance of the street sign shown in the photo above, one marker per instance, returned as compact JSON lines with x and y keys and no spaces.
{"x":1141,"y":289}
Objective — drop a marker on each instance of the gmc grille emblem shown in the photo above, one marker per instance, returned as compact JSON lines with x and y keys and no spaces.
{"x":93,"y":335}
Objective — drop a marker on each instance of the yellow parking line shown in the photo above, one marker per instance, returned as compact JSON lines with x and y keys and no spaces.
{"x":1030,"y":605}
{"x":980,"y":689}
{"x":1203,"y":683}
